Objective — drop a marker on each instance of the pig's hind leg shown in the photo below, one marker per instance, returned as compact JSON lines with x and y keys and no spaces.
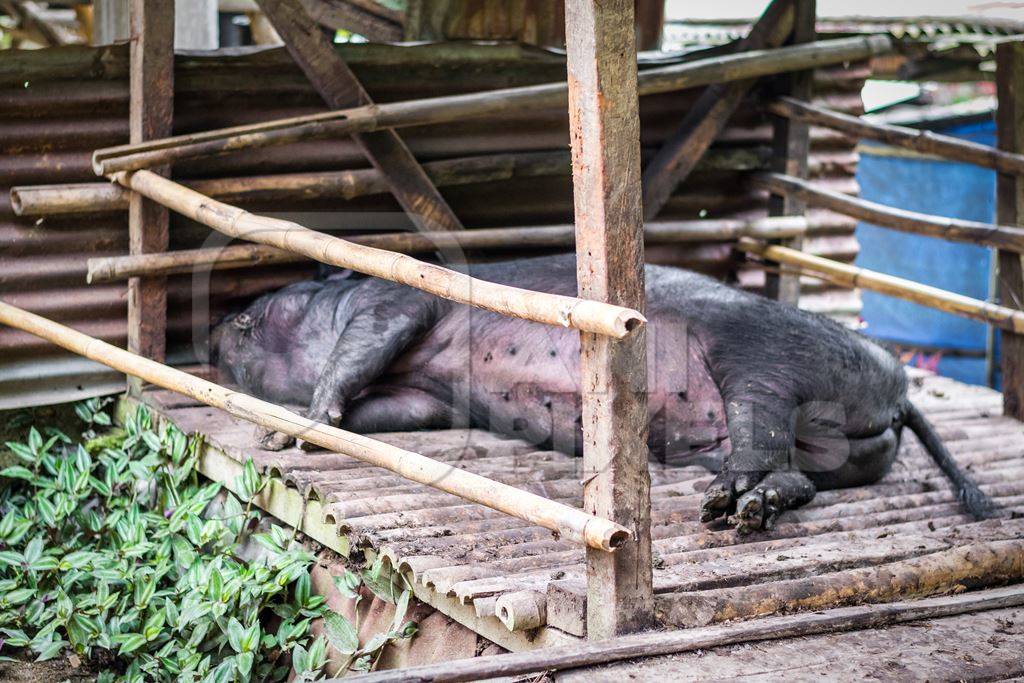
{"x":762,"y":437}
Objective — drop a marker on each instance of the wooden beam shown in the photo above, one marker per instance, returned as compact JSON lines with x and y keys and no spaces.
{"x":349,"y":16}
{"x":709,"y":115}
{"x":1010,"y":211}
{"x":435,"y":110}
{"x":846,"y":275}
{"x":567,"y":522}
{"x":791,"y":144}
{"x":550,"y":309}
{"x":663,"y":643}
{"x":114,"y":268}
{"x":1008,"y":237}
{"x":604,"y":126}
{"x":917,"y":140}
{"x":339,"y":87}
{"x":151,"y":113}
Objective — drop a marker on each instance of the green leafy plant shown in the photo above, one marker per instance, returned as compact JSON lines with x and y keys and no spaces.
{"x":104,"y":551}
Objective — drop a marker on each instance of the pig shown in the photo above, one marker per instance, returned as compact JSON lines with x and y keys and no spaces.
{"x":778,"y":402}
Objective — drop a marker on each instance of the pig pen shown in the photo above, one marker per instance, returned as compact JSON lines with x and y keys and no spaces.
{"x":522,"y":588}
{"x":519,"y":585}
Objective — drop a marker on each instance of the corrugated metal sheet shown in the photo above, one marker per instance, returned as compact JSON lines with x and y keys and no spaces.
{"x":57,"y":105}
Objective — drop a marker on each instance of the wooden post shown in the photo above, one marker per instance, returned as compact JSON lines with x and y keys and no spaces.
{"x":340,"y":88}
{"x":790,"y":147}
{"x":150,"y":116}
{"x":604,"y":127}
{"x":1010,"y":211}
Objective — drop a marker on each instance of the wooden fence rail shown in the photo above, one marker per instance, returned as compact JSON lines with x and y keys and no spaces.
{"x":957,"y":230}
{"x":719,"y":69}
{"x":570,"y":523}
{"x":922,"y":141}
{"x":563,"y":311}
{"x":113,"y":268}
{"x":850,"y":276}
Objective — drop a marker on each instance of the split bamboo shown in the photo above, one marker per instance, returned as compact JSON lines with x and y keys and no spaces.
{"x":922,"y":141}
{"x":851,"y":276}
{"x":718,"y":69}
{"x":74,"y":198}
{"x":972,"y":232}
{"x":568,"y":522}
{"x":113,"y":268}
{"x":552,"y":309}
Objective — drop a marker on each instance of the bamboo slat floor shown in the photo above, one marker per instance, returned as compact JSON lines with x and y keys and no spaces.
{"x":521,"y":587}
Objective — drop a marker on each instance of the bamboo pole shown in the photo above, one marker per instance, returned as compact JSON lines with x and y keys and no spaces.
{"x":568,"y":522}
{"x":552,"y":309}
{"x":114,"y":268}
{"x":851,"y":276}
{"x":660,"y":643}
{"x":923,"y":141}
{"x":73,"y":198}
{"x":746,"y":65}
{"x":954,"y":229}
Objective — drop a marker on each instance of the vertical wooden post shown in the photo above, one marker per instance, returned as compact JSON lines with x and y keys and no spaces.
{"x":604,"y":126}
{"x":1010,"y":211}
{"x":150,"y":116}
{"x":790,"y":147}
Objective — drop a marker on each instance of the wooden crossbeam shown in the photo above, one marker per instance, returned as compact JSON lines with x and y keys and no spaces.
{"x":338,"y":86}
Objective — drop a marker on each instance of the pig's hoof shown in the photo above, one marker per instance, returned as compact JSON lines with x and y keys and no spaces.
{"x":310,"y":447}
{"x":273,"y":441}
{"x":721,"y":494}
{"x":756,"y":510}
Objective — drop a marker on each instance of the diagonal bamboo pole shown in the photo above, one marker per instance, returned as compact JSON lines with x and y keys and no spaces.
{"x":745,"y":65}
{"x":568,"y":522}
{"x":851,"y":276}
{"x":552,"y":309}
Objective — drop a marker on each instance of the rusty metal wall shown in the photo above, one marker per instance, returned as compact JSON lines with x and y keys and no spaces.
{"x":57,"y":105}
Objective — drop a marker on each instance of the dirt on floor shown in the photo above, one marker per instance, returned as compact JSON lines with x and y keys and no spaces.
{"x":70,"y":669}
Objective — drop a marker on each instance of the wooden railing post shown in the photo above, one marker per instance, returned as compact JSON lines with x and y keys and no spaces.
{"x":1010,"y":211}
{"x":150,"y":116}
{"x":604,"y":128}
{"x":790,"y":147}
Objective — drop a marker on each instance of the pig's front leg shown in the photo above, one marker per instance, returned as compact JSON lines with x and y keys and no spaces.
{"x":386,"y":319}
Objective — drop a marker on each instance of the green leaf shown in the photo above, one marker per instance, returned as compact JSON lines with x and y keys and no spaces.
{"x":348,"y":584}
{"x":341,"y":633}
{"x":129,"y":642}
{"x":51,"y":650}
{"x":302,"y":589}
{"x":400,"y":609}
{"x":9,"y":557}
{"x":235,"y":633}
{"x":17,"y":472}
{"x":19,"y":596}
{"x":243,"y":663}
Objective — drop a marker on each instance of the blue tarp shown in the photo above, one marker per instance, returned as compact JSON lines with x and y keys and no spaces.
{"x":942,"y":188}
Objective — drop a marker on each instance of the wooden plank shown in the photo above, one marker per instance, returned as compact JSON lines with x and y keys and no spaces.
{"x":604,"y":126}
{"x":151,"y":113}
{"x":689,"y":640}
{"x":1010,"y":211}
{"x":339,"y":87}
{"x":709,"y":115}
{"x":791,"y":145}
